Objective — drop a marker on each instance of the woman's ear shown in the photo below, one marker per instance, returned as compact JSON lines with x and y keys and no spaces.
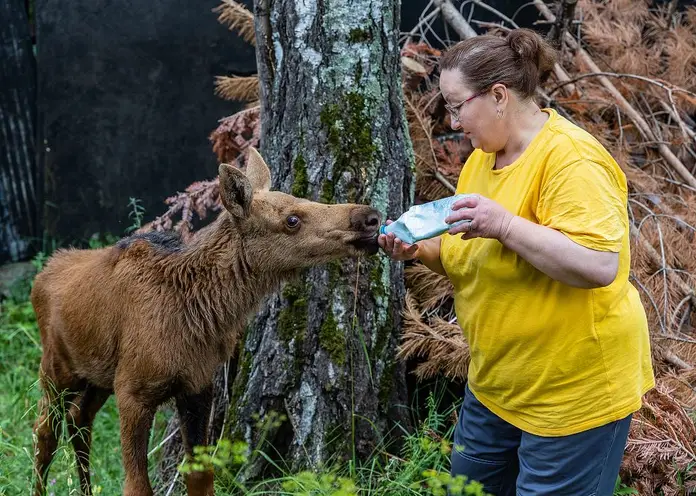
{"x":501,"y":97}
{"x":500,"y":94}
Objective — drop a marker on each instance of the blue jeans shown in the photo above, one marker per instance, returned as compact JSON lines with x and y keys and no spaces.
{"x":509,"y":462}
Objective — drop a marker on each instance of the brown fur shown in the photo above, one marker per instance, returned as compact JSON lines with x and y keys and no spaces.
{"x":150,"y":318}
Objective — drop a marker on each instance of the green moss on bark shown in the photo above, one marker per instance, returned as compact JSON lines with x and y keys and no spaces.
{"x":348,"y":126}
{"x":357,"y":35}
{"x":237,"y":392}
{"x":383,"y":333}
{"x":376,"y":284}
{"x":300,"y":184}
{"x":292,"y":322}
{"x":334,"y":269}
{"x":386,"y":384}
{"x":327,"y":191}
{"x":332,"y":339}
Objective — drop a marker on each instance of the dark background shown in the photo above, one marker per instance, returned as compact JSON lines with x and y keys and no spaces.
{"x":126,"y":104}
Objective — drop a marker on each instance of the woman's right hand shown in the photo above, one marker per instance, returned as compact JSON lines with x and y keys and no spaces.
{"x":395,"y":248}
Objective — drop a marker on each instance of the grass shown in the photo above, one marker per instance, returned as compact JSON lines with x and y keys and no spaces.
{"x":421,"y":469}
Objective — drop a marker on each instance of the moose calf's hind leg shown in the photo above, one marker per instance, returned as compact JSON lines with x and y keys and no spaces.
{"x":136,"y":420}
{"x":79,"y":420}
{"x":47,"y":432}
{"x":194,"y":413}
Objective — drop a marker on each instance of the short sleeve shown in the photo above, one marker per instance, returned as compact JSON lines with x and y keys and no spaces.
{"x":587,"y":202}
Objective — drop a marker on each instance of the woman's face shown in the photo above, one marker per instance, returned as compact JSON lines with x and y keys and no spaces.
{"x":478,"y":116}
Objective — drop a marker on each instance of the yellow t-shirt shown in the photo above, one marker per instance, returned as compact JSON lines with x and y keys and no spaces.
{"x":546,"y":357}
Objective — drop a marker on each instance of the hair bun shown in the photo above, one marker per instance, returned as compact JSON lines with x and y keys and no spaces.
{"x":521,"y":61}
{"x":529,"y":45}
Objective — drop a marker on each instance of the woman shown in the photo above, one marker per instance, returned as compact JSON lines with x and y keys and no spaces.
{"x":560,"y":353}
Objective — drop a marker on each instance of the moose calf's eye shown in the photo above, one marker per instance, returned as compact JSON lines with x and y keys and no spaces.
{"x":292,"y":221}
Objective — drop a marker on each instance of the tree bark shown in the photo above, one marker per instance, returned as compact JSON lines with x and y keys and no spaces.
{"x":322,"y":351}
{"x":17,"y":116}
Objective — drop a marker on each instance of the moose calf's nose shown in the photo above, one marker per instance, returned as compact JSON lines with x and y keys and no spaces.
{"x":366,"y":219}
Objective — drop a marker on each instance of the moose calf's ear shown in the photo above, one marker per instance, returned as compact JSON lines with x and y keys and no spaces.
{"x":257,"y":171}
{"x":235,"y":190}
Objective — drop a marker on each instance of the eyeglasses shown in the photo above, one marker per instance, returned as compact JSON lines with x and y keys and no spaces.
{"x":454,"y":109}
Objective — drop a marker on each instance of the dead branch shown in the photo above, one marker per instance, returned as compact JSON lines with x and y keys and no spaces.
{"x":672,"y":110}
{"x":496,"y":12}
{"x":452,"y":16}
{"x":628,"y":109}
{"x":657,"y":260}
{"x":670,"y":88}
{"x":445,"y":182}
{"x":566,"y":13}
{"x":490,"y":25}
{"x":675,"y":360}
{"x":425,"y":21}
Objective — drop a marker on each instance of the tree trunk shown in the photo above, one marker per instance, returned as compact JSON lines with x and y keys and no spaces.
{"x":322,"y":351}
{"x":17,"y":114}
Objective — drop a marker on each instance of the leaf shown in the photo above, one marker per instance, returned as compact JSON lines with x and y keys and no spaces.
{"x":236,"y":133}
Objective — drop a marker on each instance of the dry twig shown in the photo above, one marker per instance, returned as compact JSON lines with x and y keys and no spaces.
{"x":633,"y":114}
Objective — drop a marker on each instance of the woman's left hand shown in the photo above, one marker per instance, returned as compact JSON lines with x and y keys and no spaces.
{"x":488,"y":218}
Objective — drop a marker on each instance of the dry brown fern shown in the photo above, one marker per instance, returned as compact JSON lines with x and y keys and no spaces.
{"x":237,"y":88}
{"x":640,"y":38}
{"x":451,"y":152}
{"x":200,"y":198}
{"x":440,"y":343}
{"x":428,"y":289}
{"x":236,"y":133}
{"x":661,"y":445}
{"x":237,"y":18}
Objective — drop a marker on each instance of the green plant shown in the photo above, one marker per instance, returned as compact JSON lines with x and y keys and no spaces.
{"x":136,"y":214}
{"x":308,"y":483}
{"x":620,"y":488}
{"x":421,"y":469}
{"x":98,"y":240}
{"x":39,"y":260}
{"x":225,"y":455}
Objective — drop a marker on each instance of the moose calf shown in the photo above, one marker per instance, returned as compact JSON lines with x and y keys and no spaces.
{"x":150,"y":318}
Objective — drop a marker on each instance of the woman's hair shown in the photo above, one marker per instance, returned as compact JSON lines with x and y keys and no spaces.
{"x":519,"y":60}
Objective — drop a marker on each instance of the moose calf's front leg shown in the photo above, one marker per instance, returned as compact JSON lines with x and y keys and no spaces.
{"x":194,"y":413}
{"x":136,"y":420}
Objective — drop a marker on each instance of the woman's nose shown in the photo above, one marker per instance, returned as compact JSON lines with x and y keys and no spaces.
{"x":454,"y":124}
